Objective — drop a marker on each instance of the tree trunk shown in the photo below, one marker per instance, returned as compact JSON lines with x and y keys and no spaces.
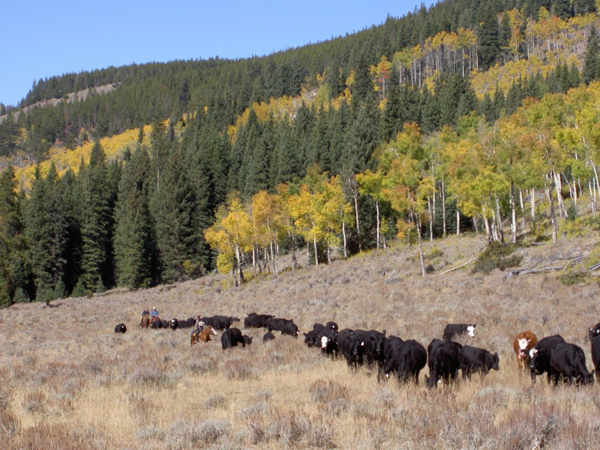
{"x":532,"y":201}
{"x":239,"y":279}
{"x":431,"y":209}
{"x":561,"y":203}
{"x":421,"y":257}
{"x":443,"y":192}
{"x":499,"y":220}
{"x":488,"y":232}
{"x":522,"y":209}
{"x":378,"y":223}
{"x":345,"y":242}
{"x":513,"y":214}
{"x":355,"y":195}
{"x":592,"y":198}
{"x":316,"y":252}
{"x":549,"y":190}
{"x":458,"y":222}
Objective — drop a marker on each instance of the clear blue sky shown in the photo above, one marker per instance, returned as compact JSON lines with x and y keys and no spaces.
{"x":44,"y":38}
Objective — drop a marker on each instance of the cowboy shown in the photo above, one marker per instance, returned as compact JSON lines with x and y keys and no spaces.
{"x":154,"y":313}
{"x":198,"y":327}
{"x":145,"y":312}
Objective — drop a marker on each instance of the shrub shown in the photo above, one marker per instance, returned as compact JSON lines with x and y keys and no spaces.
{"x":496,"y":256}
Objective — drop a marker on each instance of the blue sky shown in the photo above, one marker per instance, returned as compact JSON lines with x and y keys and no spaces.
{"x":45,"y":38}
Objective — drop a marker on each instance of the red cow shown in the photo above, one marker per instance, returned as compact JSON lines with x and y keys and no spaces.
{"x":522,"y":344}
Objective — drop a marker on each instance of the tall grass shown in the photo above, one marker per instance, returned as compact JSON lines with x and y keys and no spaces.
{"x":68,"y":381}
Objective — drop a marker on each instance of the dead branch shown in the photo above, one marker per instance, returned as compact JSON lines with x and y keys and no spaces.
{"x":457,"y":267}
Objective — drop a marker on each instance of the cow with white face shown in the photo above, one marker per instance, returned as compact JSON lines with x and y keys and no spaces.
{"x":458,"y":329}
{"x":328,"y":341}
{"x":523,"y":343}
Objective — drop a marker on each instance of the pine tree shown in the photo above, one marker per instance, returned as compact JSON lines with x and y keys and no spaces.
{"x":11,"y":227}
{"x":393,"y":113}
{"x":562,"y":9}
{"x":489,"y":39}
{"x":134,"y":237}
{"x":584,"y":6}
{"x":591,"y":67}
{"x":175,"y":214}
{"x":95,"y":220}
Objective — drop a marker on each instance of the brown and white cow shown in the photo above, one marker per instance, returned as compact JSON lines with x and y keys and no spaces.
{"x":524,"y":342}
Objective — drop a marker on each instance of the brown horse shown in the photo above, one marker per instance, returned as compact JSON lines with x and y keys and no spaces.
{"x":145,"y":322}
{"x":204,"y":335}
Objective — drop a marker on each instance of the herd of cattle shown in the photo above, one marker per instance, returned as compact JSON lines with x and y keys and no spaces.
{"x":404,"y":359}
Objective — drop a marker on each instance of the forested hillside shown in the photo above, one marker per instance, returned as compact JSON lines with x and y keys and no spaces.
{"x":469,"y":115}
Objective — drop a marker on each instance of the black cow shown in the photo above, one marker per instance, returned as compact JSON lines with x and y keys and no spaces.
{"x":120,"y":328}
{"x":405,"y":358}
{"x":247,"y":339}
{"x":257,"y":320}
{"x":328,"y":342}
{"x":443,"y":361}
{"x":174,"y":324}
{"x":596,"y":356}
{"x":372,"y":341}
{"x":219,"y":322}
{"x":593,"y":332}
{"x":351,"y":347}
{"x":477,"y":360}
{"x":285,"y":326}
{"x":187,"y":323}
{"x":458,"y":329}
{"x":311,"y":338}
{"x":160,"y":324}
{"x":268,"y":336}
{"x":568,"y":360}
{"x":318,"y":327}
{"x":332,"y":326}
{"x":231,"y":338}
{"x":539,"y":356}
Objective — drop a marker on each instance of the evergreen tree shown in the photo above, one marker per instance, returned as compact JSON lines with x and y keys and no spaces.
{"x":95,"y":222}
{"x":393,"y":113}
{"x":134,"y":236}
{"x":591,"y":66}
{"x":11,"y":243}
{"x":562,"y":9}
{"x":176,"y":218}
{"x":46,"y":233}
{"x":584,"y":7}
{"x":489,"y":39}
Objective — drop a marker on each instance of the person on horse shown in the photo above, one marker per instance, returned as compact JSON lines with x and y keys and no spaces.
{"x":154,"y":313}
{"x":197,"y":328}
{"x":145,"y":312}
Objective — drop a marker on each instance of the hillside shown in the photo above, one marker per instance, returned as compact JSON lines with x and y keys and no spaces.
{"x":69,"y":380}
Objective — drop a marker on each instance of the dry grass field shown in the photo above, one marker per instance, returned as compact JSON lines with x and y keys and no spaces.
{"x":70,"y":382}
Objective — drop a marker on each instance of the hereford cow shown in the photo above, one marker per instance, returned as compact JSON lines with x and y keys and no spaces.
{"x":458,"y":329}
{"x":524,"y":341}
{"x":477,"y":360}
{"x":568,"y":361}
{"x":443,"y":361}
{"x":174,"y":324}
{"x":328,"y":342}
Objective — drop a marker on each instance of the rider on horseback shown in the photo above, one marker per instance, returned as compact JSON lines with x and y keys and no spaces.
{"x":154,"y":313}
{"x":195,"y":333}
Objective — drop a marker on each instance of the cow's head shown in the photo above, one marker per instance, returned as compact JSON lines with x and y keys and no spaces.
{"x":523,"y":347}
{"x":533,"y":353}
{"x":324,"y":342}
{"x":593,"y":332}
{"x":471,"y":330}
{"x":495,"y":362}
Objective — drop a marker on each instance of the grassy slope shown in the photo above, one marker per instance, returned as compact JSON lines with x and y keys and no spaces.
{"x":69,"y":380}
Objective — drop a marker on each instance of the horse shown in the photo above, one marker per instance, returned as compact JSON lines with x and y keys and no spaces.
{"x":145,"y":322}
{"x":203,"y":335}
{"x":154,"y":319}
